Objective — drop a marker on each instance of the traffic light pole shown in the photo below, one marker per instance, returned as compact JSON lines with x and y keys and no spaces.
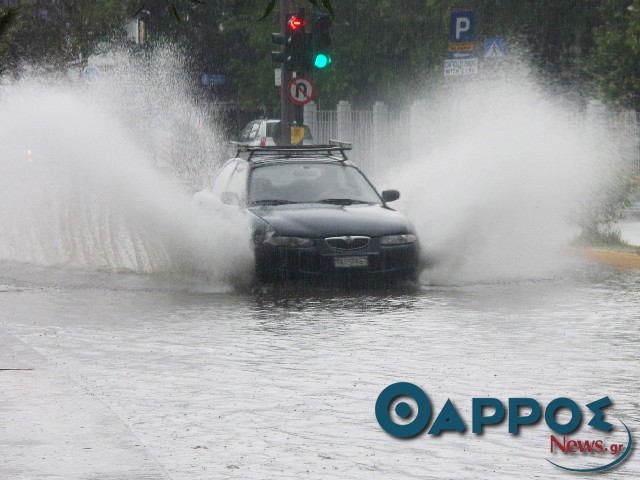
{"x":301,"y":51}
{"x":286,"y":107}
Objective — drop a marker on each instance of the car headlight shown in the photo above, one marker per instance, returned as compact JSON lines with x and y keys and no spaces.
{"x":278,"y":241}
{"x":403,"y":239}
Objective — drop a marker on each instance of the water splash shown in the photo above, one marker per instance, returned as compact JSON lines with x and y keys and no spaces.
{"x":501,"y":169}
{"x":81,"y":184}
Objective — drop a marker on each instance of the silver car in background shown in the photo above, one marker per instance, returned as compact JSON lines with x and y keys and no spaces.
{"x":266,"y":133}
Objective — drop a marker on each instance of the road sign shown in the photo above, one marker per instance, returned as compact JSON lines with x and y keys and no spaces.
{"x":460,"y":55}
{"x":91,"y":73}
{"x":494,"y":47}
{"x":461,"y":44}
{"x":461,"y":47}
{"x":460,"y":67}
{"x":461,"y":27}
{"x":301,"y":90}
{"x":215,"y":79}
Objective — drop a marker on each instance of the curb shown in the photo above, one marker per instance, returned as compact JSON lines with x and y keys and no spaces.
{"x":610,"y":257}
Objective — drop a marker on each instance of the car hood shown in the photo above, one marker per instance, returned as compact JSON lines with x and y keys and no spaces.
{"x":318,"y":220}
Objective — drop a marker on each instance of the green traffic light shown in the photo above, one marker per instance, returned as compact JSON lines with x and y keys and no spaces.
{"x":322,"y":60}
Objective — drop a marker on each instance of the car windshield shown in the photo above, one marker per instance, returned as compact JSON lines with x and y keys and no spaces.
{"x":332,"y":183}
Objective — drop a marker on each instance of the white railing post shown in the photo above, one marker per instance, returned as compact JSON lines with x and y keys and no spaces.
{"x":381,"y":138}
{"x":344,"y":121}
{"x":311,"y":118}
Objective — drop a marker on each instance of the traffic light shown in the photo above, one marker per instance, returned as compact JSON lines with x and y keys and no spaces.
{"x":321,"y":41}
{"x":294,"y":54}
{"x":304,"y":51}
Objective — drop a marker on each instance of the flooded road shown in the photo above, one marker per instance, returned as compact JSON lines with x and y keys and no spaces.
{"x":282,"y":383}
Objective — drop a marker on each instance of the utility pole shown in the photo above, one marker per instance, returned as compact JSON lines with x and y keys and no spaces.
{"x":286,"y":107}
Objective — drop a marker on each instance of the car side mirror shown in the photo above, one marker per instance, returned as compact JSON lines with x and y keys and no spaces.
{"x":390,"y":195}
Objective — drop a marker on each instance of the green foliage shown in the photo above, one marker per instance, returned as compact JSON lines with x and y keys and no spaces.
{"x":603,"y":209}
{"x":381,"y":49}
{"x":249,"y":58}
{"x":382,"y":52}
{"x":322,"y":4}
{"x":171,"y":5}
{"x":609,"y":239}
{"x":555,"y":33}
{"x":614,"y":60}
{"x":270,"y":6}
{"x":7,"y":20}
{"x":61,"y":32}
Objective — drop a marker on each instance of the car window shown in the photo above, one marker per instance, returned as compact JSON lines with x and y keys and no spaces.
{"x":222,"y":179}
{"x":244,"y":134}
{"x":249,"y":132}
{"x":273,"y":129}
{"x":235,"y":192}
{"x":254,"y":130}
{"x":308,"y":183}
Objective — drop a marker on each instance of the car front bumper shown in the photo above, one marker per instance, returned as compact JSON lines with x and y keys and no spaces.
{"x":321,"y":260}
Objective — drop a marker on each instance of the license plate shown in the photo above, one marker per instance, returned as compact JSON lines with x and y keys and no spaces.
{"x":351,"y":262}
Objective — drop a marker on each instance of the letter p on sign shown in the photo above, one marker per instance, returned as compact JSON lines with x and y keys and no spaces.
{"x":461,"y":26}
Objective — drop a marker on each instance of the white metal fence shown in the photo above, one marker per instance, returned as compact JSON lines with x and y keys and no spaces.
{"x":625,"y":131}
{"x":379,"y":137}
{"x":383,"y":139}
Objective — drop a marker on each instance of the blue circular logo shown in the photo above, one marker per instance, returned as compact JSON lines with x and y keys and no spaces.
{"x":403,"y":410}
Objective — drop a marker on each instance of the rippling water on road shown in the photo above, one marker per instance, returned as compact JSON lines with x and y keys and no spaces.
{"x":282,"y":384}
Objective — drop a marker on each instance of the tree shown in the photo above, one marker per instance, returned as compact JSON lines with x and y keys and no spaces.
{"x":614,"y":60}
{"x":53,"y":34}
{"x":382,"y":49}
{"x":7,"y":20}
{"x":326,"y":4}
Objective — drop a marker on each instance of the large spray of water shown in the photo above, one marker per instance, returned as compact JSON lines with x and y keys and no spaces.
{"x":93,"y":170}
{"x":91,"y":177}
{"x":501,"y":169}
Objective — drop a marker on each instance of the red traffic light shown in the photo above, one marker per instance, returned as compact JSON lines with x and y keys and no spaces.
{"x":296,"y":22}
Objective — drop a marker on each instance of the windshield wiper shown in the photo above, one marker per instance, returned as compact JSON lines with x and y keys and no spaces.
{"x":341,"y":201}
{"x":271,"y":202}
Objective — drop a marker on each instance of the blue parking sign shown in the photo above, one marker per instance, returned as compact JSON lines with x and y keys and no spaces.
{"x":461,"y":28}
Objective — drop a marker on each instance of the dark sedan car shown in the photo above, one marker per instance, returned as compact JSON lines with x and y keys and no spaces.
{"x":314,"y":214}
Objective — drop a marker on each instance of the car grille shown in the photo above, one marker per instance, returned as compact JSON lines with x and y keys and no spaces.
{"x":348,"y":242}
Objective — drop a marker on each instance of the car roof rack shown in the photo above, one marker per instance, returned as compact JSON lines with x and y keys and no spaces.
{"x":255,"y":153}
